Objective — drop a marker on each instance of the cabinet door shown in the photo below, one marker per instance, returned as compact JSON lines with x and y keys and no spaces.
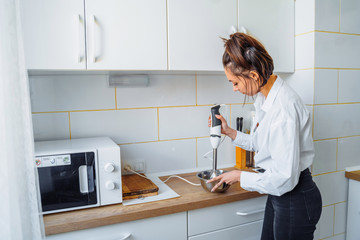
{"x":166,"y":227}
{"x":226,"y":215}
{"x":54,"y":36}
{"x":249,"y":231}
{"x":195,"y":28}
{"x":271,"y":22}
{"x":126,"y":34}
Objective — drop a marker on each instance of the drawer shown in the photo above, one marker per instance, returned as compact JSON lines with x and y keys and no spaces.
{"x":248,"y":231}
{"x":166,"y":227}
{"x":225,"y":215}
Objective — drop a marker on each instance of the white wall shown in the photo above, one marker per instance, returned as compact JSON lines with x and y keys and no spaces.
{"x":164,"y":124}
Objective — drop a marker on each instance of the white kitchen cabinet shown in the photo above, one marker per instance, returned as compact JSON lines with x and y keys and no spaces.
{"x":54,"y":34}
{"x":353,"y":214}
{"x":195,"y":28}
{"x":271,"y":22}
{"x":249,"y":231}
{"x":209,"y":221}
{"x":166,"y":227}
{"x":126,"y":34}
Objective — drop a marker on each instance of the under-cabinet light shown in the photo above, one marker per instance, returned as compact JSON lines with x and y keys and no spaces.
{"x":129,"y":81}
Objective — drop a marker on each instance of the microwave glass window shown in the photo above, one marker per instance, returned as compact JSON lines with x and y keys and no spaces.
{"x":68,"y":186}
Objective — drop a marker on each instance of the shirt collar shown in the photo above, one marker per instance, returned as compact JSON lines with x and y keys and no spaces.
{"x":268,"y":102}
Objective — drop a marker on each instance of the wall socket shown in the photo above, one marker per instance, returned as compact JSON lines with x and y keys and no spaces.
{"x":137,"y":166}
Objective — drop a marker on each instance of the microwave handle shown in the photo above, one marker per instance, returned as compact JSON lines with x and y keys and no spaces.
{"x":83,"y":179}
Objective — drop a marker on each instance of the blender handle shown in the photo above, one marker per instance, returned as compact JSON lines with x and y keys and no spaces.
{"x":215,"y":111}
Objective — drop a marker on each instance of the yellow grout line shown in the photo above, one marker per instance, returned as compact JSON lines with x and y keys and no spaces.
{"x":304,"y":33}
{"x":320,"y":174}
{"x":167,"y":36}
{"x":93,"y":110}
{"x":320,"y":31}
{"x":166,"y":140}
{"x":338,"y":234}
{"x":339,"y":15}
{"x":138,"y":108}
{"x":334,"y":221}
{"x":115,"y":100}
{"x":338,"y":79}
{"x":69,"y":125}
{"x":327,"y":104}
{"x":197,"y":161}
{"x":158,"y":123}
{"x":337,"y":150}
{"x":334,"y":204}
{"x":196,"y":84}
{"x":325,"y":139}
{"x":314,"y":68}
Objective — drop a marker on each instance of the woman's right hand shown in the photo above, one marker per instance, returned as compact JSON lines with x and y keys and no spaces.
{"x":225,"y":129}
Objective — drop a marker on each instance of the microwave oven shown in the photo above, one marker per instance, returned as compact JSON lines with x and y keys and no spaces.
{"x":78,"y":173}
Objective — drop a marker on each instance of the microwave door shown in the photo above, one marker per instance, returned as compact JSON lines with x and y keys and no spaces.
{"x":70,"y":185}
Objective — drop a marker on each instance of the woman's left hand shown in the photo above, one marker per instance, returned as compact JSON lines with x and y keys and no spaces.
{"x":228,"y":178}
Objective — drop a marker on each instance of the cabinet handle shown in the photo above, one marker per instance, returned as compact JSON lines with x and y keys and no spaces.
{"x":95,"y":50}
{"x":250,"y":213}
{"x":127,"y":235}
{"x":81,"y":38}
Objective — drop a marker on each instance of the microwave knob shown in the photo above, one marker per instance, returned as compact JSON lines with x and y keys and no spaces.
{"x":109,"y":167}
{"x":109,"y":185}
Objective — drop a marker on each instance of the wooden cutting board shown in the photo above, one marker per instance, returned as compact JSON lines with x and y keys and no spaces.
{"x":134,"y":186}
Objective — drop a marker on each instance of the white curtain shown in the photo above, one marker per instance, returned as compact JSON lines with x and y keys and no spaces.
{"x":19,"y":202}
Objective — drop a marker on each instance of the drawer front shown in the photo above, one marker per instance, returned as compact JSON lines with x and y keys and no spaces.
{"x":249,"y":231}
{"x":225,"y":215}
{"x":166,"y":227}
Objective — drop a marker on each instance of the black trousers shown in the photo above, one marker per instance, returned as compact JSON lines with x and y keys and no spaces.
{"x":294,"y":215}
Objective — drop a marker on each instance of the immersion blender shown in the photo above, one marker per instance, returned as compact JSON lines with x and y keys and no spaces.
{"x":215,"y":136}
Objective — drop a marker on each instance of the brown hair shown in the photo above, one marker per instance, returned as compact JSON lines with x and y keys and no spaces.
{"x":243,"y":54}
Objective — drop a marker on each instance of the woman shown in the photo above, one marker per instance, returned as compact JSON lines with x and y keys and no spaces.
{"x":281,"y":136}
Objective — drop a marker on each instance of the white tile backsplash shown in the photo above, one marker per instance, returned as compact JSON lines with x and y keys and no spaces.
{"x":348,"y":152}
{"x":325,"y":157}
{"x":123,"y":126}
{"x":304,"y":16}
{"x":340,"y":218}
{"x":333,"y":187}
{"x":350,"y":17}
{"x":327,"y":15}
{"x":302,"y":81}
{"x":349,"y":84}
{"x":67,"y":93}
{"x":51,"y":126}
{"x":331,"y":121}
{"x":305,"y":58}
{"x":324,"y":228}
{"x":163,"y":90}
{"x":216,"y":89}
{"x":326,"y":86}
{"x":185,"y":122}
{"x":225,"y":154}
{"x":162,"y":156}
{"x":337,"y":50}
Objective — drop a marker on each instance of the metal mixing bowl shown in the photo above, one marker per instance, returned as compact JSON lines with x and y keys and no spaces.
{"x":206,"y":175}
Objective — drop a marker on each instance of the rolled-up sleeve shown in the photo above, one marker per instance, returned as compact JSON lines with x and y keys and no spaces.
{"x":284,"y":147}
{"x":244,"y":141}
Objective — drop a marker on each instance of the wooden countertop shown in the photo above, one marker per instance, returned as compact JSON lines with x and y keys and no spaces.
{"x":191,"y":197}
{"x":354,"y":175}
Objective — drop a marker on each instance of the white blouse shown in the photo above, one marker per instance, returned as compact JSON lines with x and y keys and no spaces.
{"x":282,"y":141}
